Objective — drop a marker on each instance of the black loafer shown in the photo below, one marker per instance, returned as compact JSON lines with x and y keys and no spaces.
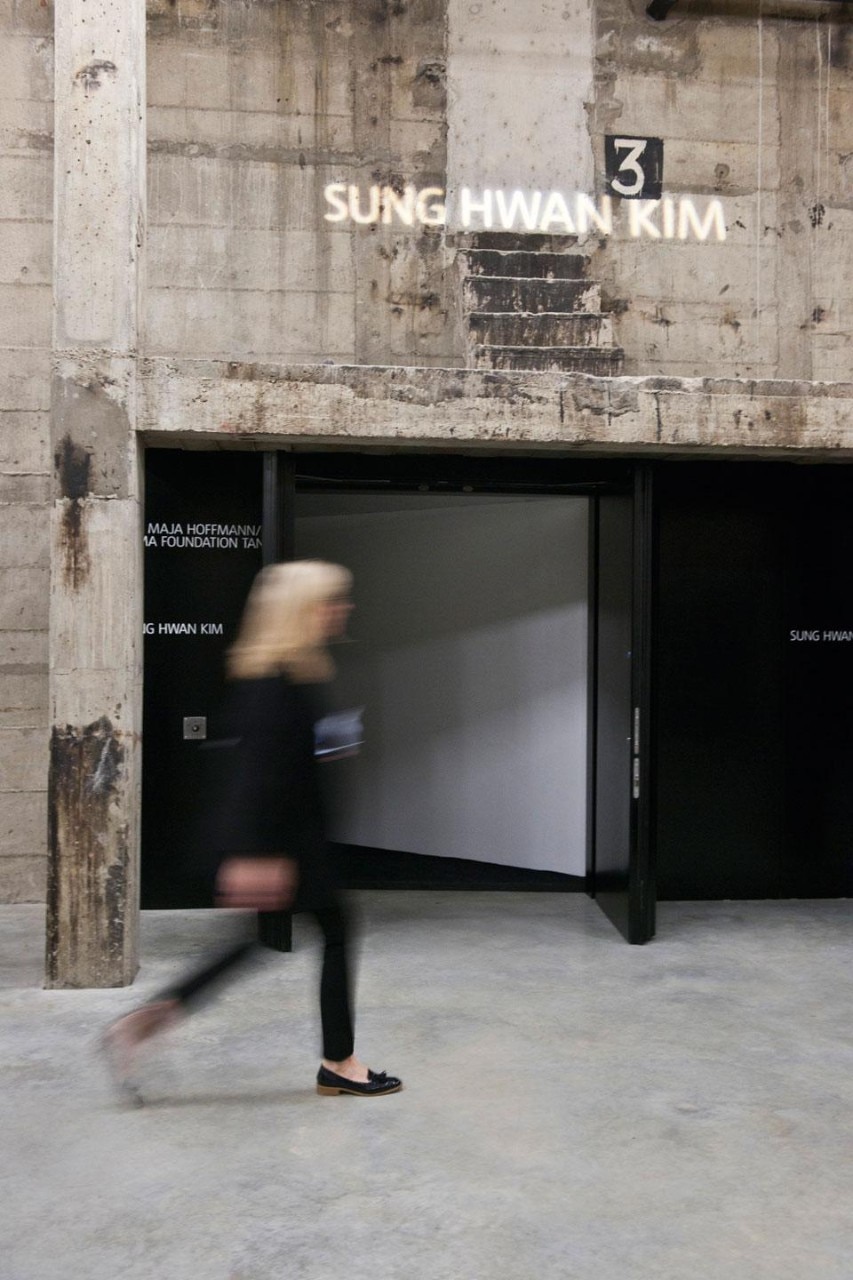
{"x":379,"y":1082}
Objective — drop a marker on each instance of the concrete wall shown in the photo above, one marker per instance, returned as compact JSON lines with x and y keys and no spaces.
{"x":757,"y":111}
{"x":254,"y":108}
{"x":519,"y":79}
{"x":754,"y":111}
{"x":26,"y":183}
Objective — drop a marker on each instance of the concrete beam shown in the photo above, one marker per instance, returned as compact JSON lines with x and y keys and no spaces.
{"x":357,"y":406}
{"x":96,"y":600}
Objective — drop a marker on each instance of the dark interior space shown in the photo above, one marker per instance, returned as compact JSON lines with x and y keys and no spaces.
{"x":753,"y":667}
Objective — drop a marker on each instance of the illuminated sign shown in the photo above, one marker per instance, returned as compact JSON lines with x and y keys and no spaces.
{"x":553,"y":212}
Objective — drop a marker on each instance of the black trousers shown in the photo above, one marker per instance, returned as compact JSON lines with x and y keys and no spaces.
{"x":317,"y":898}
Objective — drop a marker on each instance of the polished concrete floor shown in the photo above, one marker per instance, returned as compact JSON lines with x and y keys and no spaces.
{"x":575,"y":1109}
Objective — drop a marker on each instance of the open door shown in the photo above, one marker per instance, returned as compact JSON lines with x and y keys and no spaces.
{"x":620,"y":793}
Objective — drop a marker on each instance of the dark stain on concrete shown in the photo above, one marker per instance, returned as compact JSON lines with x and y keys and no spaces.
{"x":611,"y":305}
{"x":75,"y":545}
{"x":204,"y":14}
{"x":426,"y":388}
{"x":817,"y":213}
{"x":664,"y":384}
{"x":429,"y":86}
{"x":86,"y":901}
{"x":591,"y":397}
{"x":91,"y":75}
{"x":841,"y":48}
{"x":389,"y":178}
{"x":93,"y":422}
{"x":241,"y":371}
{"x":73,"y":470}
{"x":115,"y":896}
{"x":623,"y":400}
{"x":722,"y":173}
{"x":386,"y":9}
{"x":90,"y":461}
{"x":432,"y":70}
{"x":32,"y":141}
{"x":603,"y":398}
{"x":628,"y":45}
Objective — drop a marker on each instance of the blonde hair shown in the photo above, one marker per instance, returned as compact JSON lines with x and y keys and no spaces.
{"x":282,"y":628}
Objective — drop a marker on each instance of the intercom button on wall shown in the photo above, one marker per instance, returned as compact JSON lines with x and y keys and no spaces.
{"x":195,"y":728}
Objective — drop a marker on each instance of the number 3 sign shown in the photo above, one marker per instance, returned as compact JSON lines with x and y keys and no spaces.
{"x":634,"y":167}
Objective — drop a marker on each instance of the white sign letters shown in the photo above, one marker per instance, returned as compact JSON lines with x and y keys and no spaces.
{"x":554,"y":212}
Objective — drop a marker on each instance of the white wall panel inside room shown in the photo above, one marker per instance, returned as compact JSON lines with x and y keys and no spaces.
{"x":519,"y":79}
{"x":469,"y":655}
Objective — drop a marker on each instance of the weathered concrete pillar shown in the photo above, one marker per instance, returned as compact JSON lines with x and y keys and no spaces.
{"x":96,"y":573}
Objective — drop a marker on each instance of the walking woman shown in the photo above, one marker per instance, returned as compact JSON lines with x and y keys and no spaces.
{"x":268,"y":831}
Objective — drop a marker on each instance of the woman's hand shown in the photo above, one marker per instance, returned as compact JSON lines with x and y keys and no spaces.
{"x":264,"y":884}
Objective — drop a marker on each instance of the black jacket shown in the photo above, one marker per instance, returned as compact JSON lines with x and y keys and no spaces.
{"x":268,"y":797}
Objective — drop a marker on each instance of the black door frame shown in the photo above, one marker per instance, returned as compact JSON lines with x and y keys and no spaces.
{"x":630,"y":901}
{"x":275,"y":928}
{"x":643,"y":898}
{"x":277,"y":506}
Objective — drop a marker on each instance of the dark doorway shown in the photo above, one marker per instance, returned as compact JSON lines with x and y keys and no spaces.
{"x":754,"y":665}
{"x":617,"y":648}
{"x":207,"y":516}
